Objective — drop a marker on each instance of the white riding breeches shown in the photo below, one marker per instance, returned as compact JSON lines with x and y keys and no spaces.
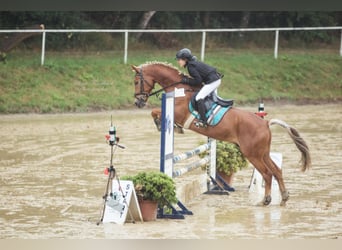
{"x":208,"y":89}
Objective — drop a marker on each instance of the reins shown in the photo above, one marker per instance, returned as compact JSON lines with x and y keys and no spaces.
{"x":157,"y":92}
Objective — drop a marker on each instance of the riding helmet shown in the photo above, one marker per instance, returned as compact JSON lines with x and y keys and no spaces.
{"x":184,"y":54}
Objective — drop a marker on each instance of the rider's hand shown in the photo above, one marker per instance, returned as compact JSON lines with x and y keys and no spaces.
{"x":185,"y":80}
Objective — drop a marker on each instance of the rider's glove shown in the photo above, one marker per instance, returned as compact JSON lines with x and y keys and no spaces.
{"x":185,"y":80}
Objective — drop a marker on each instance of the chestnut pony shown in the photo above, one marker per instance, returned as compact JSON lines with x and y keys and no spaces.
{"x":251,"y":133}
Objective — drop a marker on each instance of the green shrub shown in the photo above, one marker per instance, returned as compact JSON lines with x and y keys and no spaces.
{"x":229,"y":158}
{"x":154,"y":186}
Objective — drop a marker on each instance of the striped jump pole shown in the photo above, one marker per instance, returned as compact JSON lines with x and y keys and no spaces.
{"x":168,"y":159}
{"x":180,"y":171}
{"x":191,"y":153}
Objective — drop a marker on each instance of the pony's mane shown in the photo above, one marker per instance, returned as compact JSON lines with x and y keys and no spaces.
{"x":166,"y":64}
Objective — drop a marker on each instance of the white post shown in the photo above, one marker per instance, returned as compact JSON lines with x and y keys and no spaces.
{"x":43,"y":49}
{"x":276,"y":44}
{"x":126,"y":46}
{"x":203,"y":45}
{"x":212,"y":158}
{"x":341,"y":45}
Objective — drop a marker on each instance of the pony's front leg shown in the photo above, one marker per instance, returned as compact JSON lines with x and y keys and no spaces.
{"x":156,"y":115}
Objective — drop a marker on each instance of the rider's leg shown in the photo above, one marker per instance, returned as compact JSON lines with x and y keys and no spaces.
{"x":201,"y":111}
{"x":208,"y":89}
{"x":202,"y":94}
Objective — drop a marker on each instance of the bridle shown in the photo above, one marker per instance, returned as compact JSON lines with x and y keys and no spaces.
{"x":142,"y":81}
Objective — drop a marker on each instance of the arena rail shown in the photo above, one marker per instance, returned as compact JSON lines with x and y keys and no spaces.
{"x":203,"y":31}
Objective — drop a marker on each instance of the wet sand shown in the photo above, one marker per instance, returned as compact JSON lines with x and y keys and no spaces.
{"x":52,"y":178}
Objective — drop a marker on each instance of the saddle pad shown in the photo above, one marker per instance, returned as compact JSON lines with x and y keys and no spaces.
{"x":214,"y":114}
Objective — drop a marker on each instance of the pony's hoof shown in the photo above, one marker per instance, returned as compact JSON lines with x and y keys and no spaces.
{"x":285,"y":197}
{"x":158,"y":124}
{"x":265,"y":202}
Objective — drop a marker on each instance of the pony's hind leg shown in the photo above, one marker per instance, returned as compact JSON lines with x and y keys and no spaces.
{"x":267,"y":175}
{"x":284,"y":197}
{"x":268,"y":185}
{"x":277,"y":173}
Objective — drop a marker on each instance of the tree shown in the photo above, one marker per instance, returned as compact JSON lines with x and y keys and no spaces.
{"x":145,"y":19}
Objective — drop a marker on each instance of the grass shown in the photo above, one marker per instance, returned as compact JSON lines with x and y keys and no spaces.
{"x":80,"y":82}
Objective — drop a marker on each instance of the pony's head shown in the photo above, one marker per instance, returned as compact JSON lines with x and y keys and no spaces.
{"x":144,"y":84}
{"x":150,"y":73}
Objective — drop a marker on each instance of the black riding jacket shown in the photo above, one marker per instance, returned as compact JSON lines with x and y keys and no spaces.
{"x":200,"y":73}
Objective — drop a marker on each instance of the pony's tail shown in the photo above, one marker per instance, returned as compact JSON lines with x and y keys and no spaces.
{"x":298,"y":140}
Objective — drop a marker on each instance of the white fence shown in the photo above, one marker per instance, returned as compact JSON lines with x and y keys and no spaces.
{"x":203,"y":31}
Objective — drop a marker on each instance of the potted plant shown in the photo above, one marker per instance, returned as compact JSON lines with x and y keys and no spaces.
{"x":229,"y":160}
{"x":153,"y":189}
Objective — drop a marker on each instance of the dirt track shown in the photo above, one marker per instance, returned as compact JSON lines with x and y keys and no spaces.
{"x":52,"y":178}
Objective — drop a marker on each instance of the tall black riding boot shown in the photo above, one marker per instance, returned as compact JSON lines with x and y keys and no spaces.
{"x":201,"y":110}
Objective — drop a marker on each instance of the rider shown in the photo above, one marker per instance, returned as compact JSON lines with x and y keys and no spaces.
{"x":200,"y":73}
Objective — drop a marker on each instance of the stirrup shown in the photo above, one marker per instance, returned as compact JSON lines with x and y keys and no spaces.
{"x":201,"y":124}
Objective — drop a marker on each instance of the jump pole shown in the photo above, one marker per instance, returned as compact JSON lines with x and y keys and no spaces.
{"x":168,"y":159}
{"x":166,"y":152}
{"x":167,"y":131}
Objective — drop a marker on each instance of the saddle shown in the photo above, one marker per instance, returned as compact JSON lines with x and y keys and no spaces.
{"x":215,"y":108}
{"x":210,"y":100}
